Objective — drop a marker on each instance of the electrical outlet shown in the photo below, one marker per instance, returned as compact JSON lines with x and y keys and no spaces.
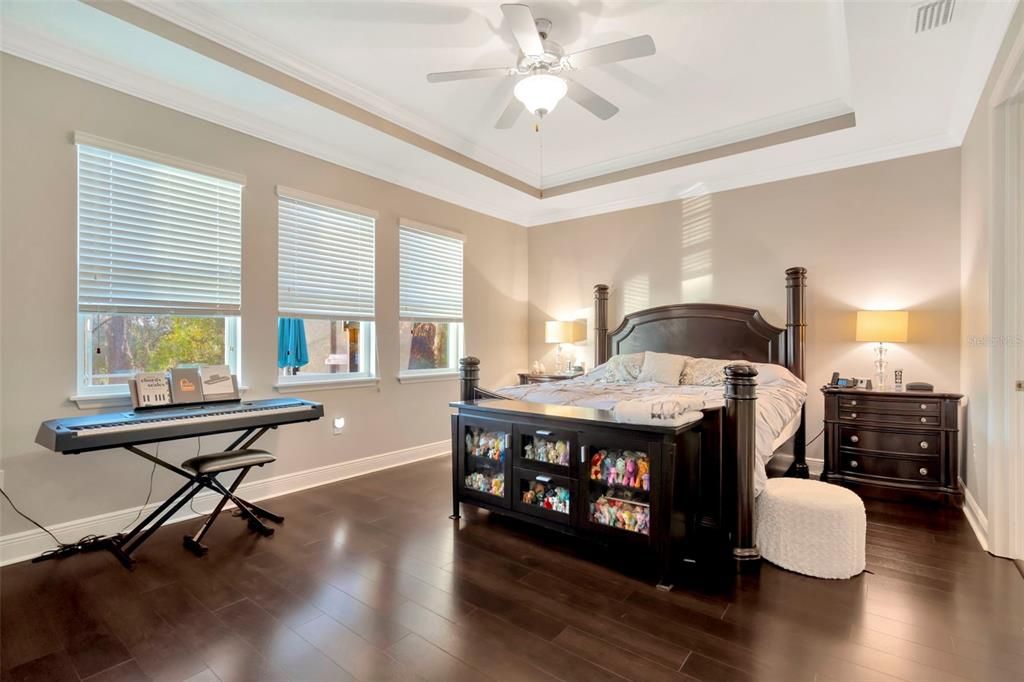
{"x":338,"y":426}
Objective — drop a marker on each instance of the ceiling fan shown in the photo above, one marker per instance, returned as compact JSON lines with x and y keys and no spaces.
{"x":544,"y":68}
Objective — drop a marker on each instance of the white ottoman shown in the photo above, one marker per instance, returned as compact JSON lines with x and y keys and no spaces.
{"x":811,"y":527}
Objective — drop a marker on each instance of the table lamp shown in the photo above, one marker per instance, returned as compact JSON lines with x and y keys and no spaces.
{"x":882,"y":327}
{"x":556,"y":331}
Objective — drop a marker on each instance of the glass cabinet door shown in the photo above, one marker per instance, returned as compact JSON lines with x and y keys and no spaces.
{"x":544,"y":495}
{"x":618,"y":480}
{"x":484,"y":464}
{"x":545,"y":450}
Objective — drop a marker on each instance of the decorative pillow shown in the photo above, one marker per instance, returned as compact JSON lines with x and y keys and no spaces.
{"x":623,"y":369}
{"x":707,"y":371}
{"x":662,"y":368}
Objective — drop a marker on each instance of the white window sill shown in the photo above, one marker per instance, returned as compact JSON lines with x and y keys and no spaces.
{"x":325,"y":384}
{"x":422,"y":377}
{"x":94,"y":401}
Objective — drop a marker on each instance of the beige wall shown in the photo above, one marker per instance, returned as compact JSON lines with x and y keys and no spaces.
{"x":884,"y":235}
{"x":976,"y":320}
{"x":41,"y":109}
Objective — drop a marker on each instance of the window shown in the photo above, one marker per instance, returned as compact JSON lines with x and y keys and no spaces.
{"x":325,"y":289}
{"x":430,"y":300}
{"x":159,"y":265}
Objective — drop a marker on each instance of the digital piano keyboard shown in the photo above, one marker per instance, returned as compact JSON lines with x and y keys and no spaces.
{"x":116,"y":429}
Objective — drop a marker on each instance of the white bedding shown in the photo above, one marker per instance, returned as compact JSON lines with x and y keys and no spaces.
{"x":778,"y":405}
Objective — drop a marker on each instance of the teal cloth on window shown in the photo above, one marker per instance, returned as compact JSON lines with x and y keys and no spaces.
{"x":291,"y":343}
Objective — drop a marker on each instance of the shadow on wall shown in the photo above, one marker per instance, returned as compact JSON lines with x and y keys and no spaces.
{"x":697,"y":264}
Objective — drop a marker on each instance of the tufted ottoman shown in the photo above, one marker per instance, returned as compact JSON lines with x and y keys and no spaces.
{"x":811,"y":527}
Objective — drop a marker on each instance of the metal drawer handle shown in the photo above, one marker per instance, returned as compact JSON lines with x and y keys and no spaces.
{"x":543,"y":479}
{"x":853,"y":403}
{"x":923,"y":471}
{"x":924,"y":445}
{"x":853,"y":464}
{"x":923,"y":406}
{"x":853,"y":415}
{"x":924,"y":420}
{"x":543,"y":433}
{"x":854,"y":439}
{"x":506,"y":441}
{"x":583,"y":454}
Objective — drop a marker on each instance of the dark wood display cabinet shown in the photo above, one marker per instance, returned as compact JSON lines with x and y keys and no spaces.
{"x":577,"y":471}
{"x":898,"y":445}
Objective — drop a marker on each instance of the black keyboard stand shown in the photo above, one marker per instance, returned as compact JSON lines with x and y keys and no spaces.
{"x":123,"y":545}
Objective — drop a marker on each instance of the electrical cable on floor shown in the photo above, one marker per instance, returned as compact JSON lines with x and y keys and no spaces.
{"x":816,"y":437}
{"x":149,"y":494}
{"x":62,"y":547}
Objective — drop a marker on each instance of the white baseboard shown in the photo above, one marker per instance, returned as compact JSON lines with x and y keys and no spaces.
{"x":27,"y":544}
{"x":975,"y":517}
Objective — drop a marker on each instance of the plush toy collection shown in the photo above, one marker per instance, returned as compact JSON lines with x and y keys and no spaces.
{"x":480,"y":443}
{"x":493,"y":484}
{"x":620,"y":514}
{"x":541,"y":450}
{"x":624,"y":468}
{"x":540,"y":494}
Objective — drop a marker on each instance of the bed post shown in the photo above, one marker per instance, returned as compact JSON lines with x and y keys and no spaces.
{"x":601,"y":347}
{"x":796,"y":337}
{"x":740,"y":438}
{"x":469,"y":377}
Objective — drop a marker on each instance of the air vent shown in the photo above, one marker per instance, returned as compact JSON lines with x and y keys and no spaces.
{"x":931,"y":15}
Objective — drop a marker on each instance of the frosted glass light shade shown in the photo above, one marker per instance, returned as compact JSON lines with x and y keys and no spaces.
{"x":540,"y":93}
{"x":882,"y":326}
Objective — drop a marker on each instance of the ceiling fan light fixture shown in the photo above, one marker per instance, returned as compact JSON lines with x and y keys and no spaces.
{"x":540,"y":93}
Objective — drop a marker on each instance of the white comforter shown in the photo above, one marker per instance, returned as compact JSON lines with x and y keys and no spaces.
{"x":778,"y":405}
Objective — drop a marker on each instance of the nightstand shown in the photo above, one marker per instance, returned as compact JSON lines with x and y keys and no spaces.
{"x":528,"y":378}
{"x":896,"y":445}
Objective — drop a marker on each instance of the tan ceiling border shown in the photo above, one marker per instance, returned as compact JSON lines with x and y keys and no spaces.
{"x":800,"y":132}
{"x":147,"y":21}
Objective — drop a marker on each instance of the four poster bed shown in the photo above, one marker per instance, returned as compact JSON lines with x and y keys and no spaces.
{"x":684,"y":492}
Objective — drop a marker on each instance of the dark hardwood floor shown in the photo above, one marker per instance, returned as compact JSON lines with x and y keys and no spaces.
{"x":369,"y":580}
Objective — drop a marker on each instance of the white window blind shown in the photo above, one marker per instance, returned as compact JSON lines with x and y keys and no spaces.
{"x":325,"y":260}
{"x":430,"y":275}
{"x":156,"y":239}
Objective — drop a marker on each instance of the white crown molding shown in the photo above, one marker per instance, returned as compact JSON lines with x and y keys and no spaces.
{"x":931,"y":143}
{"x":31,"y":543}
{"x":32,"y":47}
{"x":220,"y":30}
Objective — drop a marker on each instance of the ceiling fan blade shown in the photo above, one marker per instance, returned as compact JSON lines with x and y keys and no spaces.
{"x":443,"y":76}
{"x":631,"y":48}
{"x":591,"y":101}
{"x":524,"y":29}
{"x":511,"y":114}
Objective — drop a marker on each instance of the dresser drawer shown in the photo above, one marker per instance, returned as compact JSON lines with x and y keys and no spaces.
{"x":919,"y":406}
{"x":855,"y":415}
{"x":916,"y":444}
{"x":911,"y":471}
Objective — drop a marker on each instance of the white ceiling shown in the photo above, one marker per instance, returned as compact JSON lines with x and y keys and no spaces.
{"x":723,"y":72}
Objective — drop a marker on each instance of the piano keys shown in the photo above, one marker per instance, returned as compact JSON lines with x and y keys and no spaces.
{"x":73,"y":435}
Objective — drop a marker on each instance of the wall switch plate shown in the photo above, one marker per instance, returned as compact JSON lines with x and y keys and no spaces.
{"x":338,"y":425}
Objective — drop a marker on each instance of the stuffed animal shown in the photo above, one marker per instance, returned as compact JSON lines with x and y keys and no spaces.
{"x":562,"y":452}
{"x":611,"y":475}
{"x":595,"y":465}
{"x":643,"y":523}
{"x":630,"y":478}
{"x":643,"y":475}
{"x":620,"y":468}
{"x":528,"y":497}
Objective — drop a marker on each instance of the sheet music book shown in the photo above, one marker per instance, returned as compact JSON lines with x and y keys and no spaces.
{"x":218,"y":383}
{"x":150,"y":389}
{"x":186,"y":385}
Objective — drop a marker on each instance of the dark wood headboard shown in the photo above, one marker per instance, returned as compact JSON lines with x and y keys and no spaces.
{"x":708,"y":330}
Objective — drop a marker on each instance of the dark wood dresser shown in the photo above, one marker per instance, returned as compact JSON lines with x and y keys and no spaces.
{"x":903,"y":445}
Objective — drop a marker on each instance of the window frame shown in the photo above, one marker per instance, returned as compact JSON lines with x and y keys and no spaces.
{"x":86,"y":393}
{"x":456,"y":348}
{"x":285,"y":383}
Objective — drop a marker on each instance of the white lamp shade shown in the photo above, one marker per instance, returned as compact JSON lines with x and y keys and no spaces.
{"x":556,"y":331}
{"x":540,"y":93}
{"x":882,"y":326}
